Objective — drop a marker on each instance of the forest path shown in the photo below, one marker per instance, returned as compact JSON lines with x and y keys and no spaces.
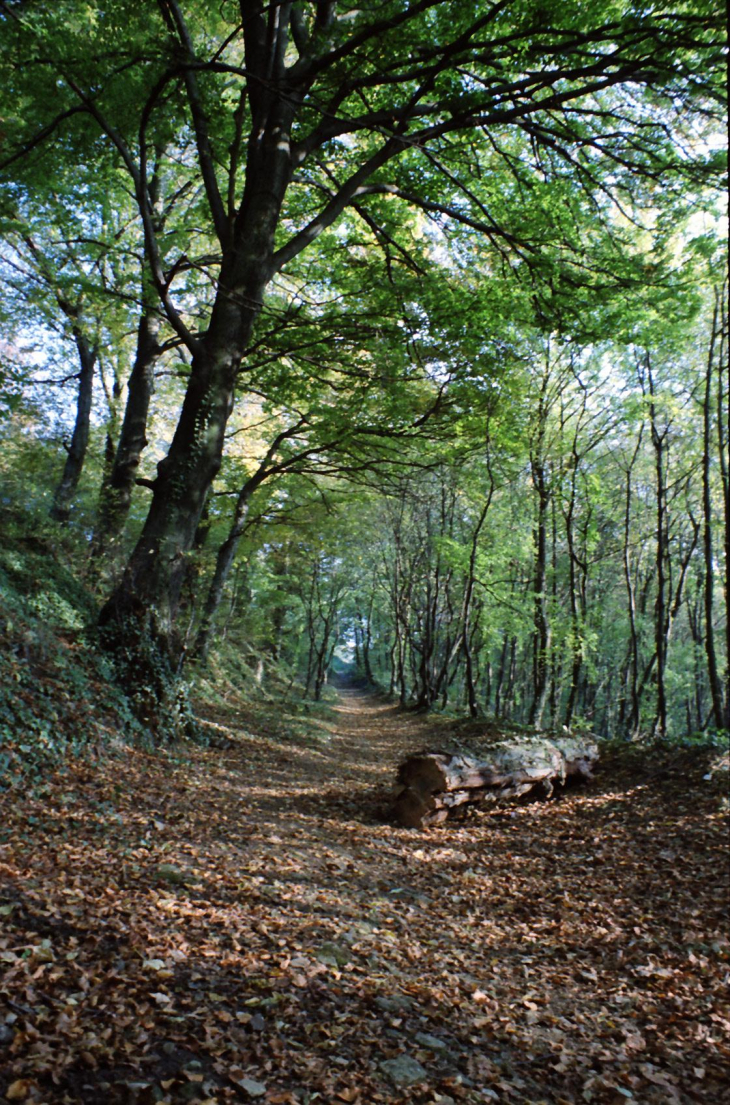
{"x":238,"y":924}
{"x":343,"y":763}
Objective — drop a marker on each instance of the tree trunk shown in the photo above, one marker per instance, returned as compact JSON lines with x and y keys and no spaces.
{"x":223,"y":563}
{"x":466,"y":647}
{"x":633,"y":712}
{"x":115,"y":503}
{"x":541,"y":632}
{"x":723,"y":421}
{"x":712,"y":667}
{"x":155,"y":572}
{"x":366,"y":640}
{"x":501,"y":675}
{"x":694,"y":618}
{"x":76,"y":450}
{"x":138,"y":619}
{"x":509,"y":697}
{"x":658,"y":440}
{"x":577,"y":566}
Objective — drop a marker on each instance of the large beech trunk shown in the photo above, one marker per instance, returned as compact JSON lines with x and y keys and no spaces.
{"x":156,"y":571}
{"x":433,"y":785}
{"x":138,"y":620}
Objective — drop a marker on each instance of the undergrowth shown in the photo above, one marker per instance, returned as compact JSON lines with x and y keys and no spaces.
{"x":58,"y":693}
{"x":61,"y":696}
{"x":240,"y":688}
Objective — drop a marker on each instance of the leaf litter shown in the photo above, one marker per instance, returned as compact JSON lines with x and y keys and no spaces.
{"x":241,"y":924}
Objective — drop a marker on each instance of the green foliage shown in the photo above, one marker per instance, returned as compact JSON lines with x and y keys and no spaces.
{"x":708,"y":739}
{"x":470,"y":324}
{"x":58,"y":694}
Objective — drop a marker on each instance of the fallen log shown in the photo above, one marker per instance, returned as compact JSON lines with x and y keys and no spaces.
{"x":434,"y":785}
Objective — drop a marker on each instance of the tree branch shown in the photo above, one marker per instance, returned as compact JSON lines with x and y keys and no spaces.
{"x":138,"y":176}
{"x":200,"y":124}
{"x":332,"y":210}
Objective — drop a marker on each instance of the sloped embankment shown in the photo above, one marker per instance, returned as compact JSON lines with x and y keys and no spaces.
{"x":57,"y":692}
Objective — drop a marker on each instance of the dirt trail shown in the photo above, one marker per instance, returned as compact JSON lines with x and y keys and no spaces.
{"x":352,"y":762}
{"x":224,"y":923}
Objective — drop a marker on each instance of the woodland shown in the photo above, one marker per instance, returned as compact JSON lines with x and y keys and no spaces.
{"x":363,"y":393}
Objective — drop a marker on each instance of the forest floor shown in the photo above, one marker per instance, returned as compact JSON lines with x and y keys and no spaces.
{"x":240,"y":924}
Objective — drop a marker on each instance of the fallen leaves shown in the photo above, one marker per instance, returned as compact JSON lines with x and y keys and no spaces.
{"x":19,"y":1090}
{"x":233,"y":928}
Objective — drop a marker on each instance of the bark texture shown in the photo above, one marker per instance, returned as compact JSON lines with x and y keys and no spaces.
{"x":434,"y":785}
